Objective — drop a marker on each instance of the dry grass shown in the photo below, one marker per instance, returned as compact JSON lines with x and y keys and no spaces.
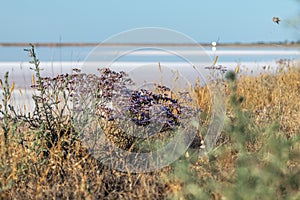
{"x":274,"y":97}
{"x":70,"y":172}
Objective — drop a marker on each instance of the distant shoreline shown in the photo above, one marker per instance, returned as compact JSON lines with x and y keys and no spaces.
{"x":83,"y":44}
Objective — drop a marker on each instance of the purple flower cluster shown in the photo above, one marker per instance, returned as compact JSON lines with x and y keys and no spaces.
{"x":145,"y":107}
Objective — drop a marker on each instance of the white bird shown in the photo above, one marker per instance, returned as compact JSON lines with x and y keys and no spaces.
{"x":276,"y":20}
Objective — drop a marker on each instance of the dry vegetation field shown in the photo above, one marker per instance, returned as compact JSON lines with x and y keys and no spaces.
{"x":257,"y":154}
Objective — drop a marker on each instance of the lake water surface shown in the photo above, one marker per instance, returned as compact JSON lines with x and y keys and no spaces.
{"x":143,"y":64}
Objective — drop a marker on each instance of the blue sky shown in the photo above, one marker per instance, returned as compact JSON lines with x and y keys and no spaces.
{"x":94,"y":21}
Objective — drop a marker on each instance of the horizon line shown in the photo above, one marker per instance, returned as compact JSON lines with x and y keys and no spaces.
{"x":86,"y":44}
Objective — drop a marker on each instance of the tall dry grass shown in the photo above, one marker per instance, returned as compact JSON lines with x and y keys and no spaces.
{"x":257,"y":156}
